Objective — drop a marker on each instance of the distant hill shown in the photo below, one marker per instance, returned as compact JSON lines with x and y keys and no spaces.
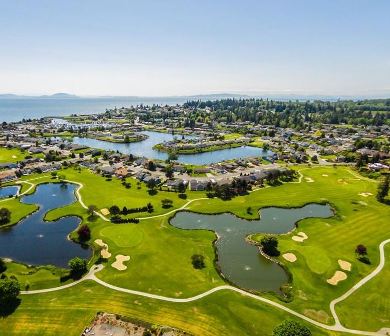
{"x":55,"y":95}
{"x":60,"y":95}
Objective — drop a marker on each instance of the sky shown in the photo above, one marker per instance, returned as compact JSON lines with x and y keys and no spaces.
{"x":185,"y":47}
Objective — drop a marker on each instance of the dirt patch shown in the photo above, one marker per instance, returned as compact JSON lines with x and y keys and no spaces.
{"x":365,"y":194}
{"x":342,"y":181}
{"x":104,"y":252}
{"x":336,"y":278}
{"x":318,"y":315}
{"x":309,"y":179}
{"x":116,"y":325}
{"x":291,"y":257}
{"x":300,"y":237}
{"x":119,"y":262}
{"x":345,"y":265}
{"x":105,"y":212}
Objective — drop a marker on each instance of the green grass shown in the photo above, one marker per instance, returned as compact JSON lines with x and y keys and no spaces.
{"x":160,"y":258}
{"x":123,"y":236}
{"x":11,"y":155}
{"x":36,"y":277}
{"x":69,"y":311}
{"x":104,"y":193}
{"x":373,"y":297}
{"x":18,"y":210}
{"x":336,"y":238}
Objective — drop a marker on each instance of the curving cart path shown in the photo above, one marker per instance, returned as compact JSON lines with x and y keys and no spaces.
{"x":91,"y":275}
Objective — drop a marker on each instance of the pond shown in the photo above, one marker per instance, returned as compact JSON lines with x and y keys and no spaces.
{"x":145,"y":148}
{"x":239,"y":261}
{"x":37,"y":242}
{"x":9,"y":191}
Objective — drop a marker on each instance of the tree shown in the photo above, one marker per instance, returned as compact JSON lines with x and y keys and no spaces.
{"x":383,"y":189}
{"x":361,"y":250}
{"x":127,"y":139}
{"x":9,"y":290}
{"x":5,"y":216}
{"x":172,"y":156}
{"x":169,"y":171}
{"x":166,"y":203}
{"x":77,"y":266}
{"x":84,"y":233}
{"x":151,"y":165}
{"x":114,"y":210}
{"x":91,"y":210}
{"x":198,"y":261}
{"x":269,"y":245}
{"x":3,"y":266}
{"x":291,"y":328}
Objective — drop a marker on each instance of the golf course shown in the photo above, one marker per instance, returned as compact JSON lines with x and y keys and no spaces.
{"x":145,"y":270}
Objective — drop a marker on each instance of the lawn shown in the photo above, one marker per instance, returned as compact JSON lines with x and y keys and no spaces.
{"x":8,"y":155}
{"x":358,"y":220}
{"x":18,"y":210}
{"x":69,"y":311}
{"x":160,"y":257}
{"x":374,"y":297}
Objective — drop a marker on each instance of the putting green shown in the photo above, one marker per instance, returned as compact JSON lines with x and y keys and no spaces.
{"x":123,"y":235}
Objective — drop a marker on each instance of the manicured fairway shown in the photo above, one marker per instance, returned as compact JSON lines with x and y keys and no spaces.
{"x":373,"y":297}
{"x":160,"y":258}
{"x":18,"y":210}
{"x":123,"y":236}
{"x":11,"y":155}
{"x":69,"y":311}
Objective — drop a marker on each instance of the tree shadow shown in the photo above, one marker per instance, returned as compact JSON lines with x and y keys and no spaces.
{"x":152,"y":192}
{"x":9,"y":307}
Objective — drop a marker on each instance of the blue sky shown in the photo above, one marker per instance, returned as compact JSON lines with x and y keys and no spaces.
{"x":181,"y":47}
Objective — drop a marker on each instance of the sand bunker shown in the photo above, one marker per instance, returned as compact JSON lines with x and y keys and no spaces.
{"x":338,"y":276}
{"x":345,"y":265}
{"x":291,"y":257}
{"x":300,"y":237}
{"x":104,"y":252}
{"x":105,"y":212}
{"x":118,"y":264}
{"x":325,"y":175}
{"x":309,"y":179}
{"x":365,"y":194}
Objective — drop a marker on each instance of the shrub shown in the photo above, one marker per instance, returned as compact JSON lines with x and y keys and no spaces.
{"x":84,"y":233}
{"x":291,"y":328}
{"x":9,"y":289}
{"x":198,"y":261}
{"x":5,"y":216}
{"x":77,"y":266}
{"x":269,"y":245}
